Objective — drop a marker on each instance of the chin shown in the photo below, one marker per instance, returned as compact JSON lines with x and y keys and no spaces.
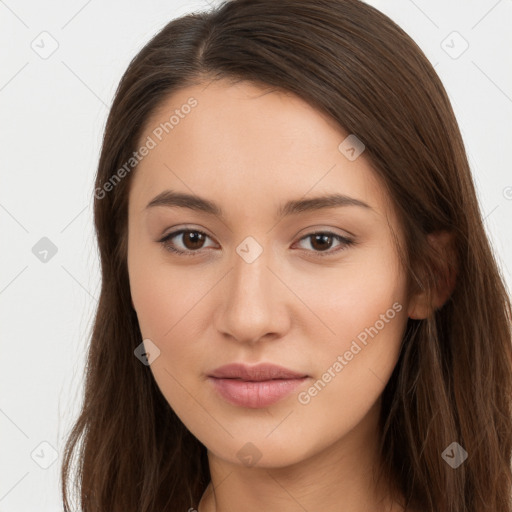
{"x":255,"y":452}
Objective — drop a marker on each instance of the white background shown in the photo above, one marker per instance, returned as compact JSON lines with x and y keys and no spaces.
{"x":53,"y":114}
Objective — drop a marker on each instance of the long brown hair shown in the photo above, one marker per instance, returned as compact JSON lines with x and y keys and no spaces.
{"x":453,"y":380}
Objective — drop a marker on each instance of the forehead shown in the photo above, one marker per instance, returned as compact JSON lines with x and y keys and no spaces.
{"x":242,"y":144}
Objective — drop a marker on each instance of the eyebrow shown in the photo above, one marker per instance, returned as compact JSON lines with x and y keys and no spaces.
{"x":170,"y":198}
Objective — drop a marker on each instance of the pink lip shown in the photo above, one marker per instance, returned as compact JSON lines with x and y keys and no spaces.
{"x":259,"y":372}
{"x":255,"y":386}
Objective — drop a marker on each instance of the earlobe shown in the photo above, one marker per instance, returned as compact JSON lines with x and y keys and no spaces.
{"x":418,"y":307}
{"x":443,"y":244}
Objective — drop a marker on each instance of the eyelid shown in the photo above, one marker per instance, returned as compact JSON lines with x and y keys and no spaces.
{"x":319,"y":228}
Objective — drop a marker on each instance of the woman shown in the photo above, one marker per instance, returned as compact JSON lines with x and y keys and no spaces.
{"x":300,"y":309}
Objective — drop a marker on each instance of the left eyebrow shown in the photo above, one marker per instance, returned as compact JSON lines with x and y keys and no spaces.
{"x":171,"y":198}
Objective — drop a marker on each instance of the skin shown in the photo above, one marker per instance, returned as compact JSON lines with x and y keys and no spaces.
{"x":251,"y":150}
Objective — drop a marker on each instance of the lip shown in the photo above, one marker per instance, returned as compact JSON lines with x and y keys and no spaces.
{"x":259,"y":372}
{"x":255,"y":386}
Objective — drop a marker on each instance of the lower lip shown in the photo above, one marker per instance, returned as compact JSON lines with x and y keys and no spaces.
{"x":255,"y":394}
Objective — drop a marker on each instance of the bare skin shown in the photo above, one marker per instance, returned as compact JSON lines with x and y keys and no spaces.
{"x":250,"y":151}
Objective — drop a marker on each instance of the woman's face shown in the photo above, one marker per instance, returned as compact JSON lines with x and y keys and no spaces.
{"x":254,"y":284}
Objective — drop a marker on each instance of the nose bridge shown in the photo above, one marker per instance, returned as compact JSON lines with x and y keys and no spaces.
{"x":250,"y":294}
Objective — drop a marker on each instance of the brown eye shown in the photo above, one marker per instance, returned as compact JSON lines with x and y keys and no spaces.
{"x":191,"y":241}
{"x":322,"y":241}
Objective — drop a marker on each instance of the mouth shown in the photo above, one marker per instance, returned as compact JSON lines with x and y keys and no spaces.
{"x":255,"y":386}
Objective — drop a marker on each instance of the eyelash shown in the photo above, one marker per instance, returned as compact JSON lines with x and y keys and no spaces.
{"x":347,"y":242}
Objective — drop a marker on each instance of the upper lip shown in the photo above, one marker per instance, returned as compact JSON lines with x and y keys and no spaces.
{"x":259,"y":372}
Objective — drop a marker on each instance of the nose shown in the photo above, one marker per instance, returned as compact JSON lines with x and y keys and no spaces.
{"x":253,"y":301}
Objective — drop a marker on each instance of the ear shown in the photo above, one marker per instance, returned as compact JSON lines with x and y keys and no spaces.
{"x":443,"y":244}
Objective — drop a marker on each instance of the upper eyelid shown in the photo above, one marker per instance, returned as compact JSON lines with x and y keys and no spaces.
{"x":313,"y":230}
{"x":180,"y":231}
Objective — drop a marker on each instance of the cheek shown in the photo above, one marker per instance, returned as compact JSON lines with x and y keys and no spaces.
{"x":168,"y":310}
{"x":152,"y":305}
{"x":364,"y":308}
{"x":164,"y":296}
{"x":170,"y":306}
{"x":354,"y":297}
